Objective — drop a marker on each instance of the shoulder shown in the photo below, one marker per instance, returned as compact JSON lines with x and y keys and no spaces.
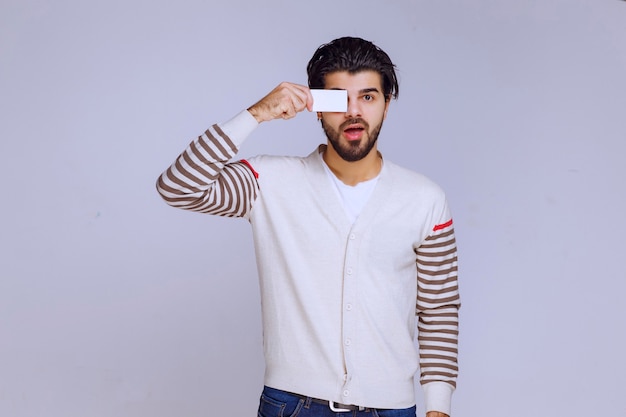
{"x":419,"y":195}
{"x":285,"y":167}
{"x":412,"y":182}
{"x":275,"y":161}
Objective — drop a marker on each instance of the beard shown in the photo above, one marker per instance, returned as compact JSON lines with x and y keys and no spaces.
{"x":352,"y":151}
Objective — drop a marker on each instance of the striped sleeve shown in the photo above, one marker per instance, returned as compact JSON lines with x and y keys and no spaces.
{"x":201,"y":178}
{"x":437,"y":306}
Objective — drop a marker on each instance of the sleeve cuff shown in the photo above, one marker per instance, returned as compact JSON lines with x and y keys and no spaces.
{"x":438,"y":397}
{"x":239,"y":127}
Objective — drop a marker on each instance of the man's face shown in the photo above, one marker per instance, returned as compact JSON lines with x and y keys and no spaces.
{"x":353,"y":134}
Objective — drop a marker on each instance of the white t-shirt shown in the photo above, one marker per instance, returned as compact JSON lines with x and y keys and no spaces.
{"x":355,"y":197}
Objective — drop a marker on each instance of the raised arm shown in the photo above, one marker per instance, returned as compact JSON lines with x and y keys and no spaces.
{"x":202,"y":178}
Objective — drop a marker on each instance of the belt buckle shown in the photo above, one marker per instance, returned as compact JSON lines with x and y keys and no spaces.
{"x":339,"y":409}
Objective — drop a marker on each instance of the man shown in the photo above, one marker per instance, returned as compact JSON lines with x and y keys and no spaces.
{"x":354,"y":253}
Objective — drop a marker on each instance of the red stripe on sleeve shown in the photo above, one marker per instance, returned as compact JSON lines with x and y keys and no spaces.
{"x":442,"y":226}
{"x":256,"y":174}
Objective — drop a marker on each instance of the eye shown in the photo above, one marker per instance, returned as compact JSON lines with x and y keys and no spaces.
{"x":368,"y":97}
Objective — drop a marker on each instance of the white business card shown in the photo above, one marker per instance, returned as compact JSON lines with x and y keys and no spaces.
{"x":330,"y":100}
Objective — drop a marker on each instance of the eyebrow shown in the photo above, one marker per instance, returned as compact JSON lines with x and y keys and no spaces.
{"x":363,"y":91}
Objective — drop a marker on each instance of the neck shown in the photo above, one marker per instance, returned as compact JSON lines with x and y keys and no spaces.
{"x":352,"y":173}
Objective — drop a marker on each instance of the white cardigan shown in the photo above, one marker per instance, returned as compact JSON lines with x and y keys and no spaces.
{"x":339,"y":300}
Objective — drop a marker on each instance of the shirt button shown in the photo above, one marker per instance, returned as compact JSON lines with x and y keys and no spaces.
{"x":349,"y":271}
{"x":352,"y":236}
{"x":348,"y":307}
{"x":346,"y":393}
{"x":348,"y":341}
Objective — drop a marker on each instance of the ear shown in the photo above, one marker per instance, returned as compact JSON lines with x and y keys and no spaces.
{"x":386,"y":108}
{"x":319,"y":115}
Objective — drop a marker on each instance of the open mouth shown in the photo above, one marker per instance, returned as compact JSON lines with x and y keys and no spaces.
{"x":354,"y":132}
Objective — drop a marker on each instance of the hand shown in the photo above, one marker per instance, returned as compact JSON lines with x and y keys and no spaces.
{"x":436,"y":414}
{"x":283,"y":102}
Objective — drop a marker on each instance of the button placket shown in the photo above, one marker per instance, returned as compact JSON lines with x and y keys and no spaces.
{"x":348,"y":316}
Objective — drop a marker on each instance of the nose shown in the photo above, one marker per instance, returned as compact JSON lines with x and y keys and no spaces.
{"x":354,"y":110}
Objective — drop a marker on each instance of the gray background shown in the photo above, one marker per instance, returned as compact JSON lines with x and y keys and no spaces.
{"x":114,"y":304}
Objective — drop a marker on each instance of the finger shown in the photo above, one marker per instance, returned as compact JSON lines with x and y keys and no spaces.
{"x":298,"y":102}
{"x":308,"y":99}
{"x":298,"y":94}
{"x":287,"y":114}
{"x":289,"y":109}
{"x":292,"y":99}
{"x":305,"y":97}
{"x":284,"y":102}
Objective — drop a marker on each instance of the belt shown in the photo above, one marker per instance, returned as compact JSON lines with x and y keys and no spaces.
{"x":334,"y":406}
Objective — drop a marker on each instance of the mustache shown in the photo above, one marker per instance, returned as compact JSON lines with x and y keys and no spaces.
{"x":354,"y":121}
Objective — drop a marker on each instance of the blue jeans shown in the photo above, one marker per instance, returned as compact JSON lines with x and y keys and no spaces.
{"x":277,"y":403}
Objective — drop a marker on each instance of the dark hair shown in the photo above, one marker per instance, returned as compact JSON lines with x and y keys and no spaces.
{"x":352,"y":55}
